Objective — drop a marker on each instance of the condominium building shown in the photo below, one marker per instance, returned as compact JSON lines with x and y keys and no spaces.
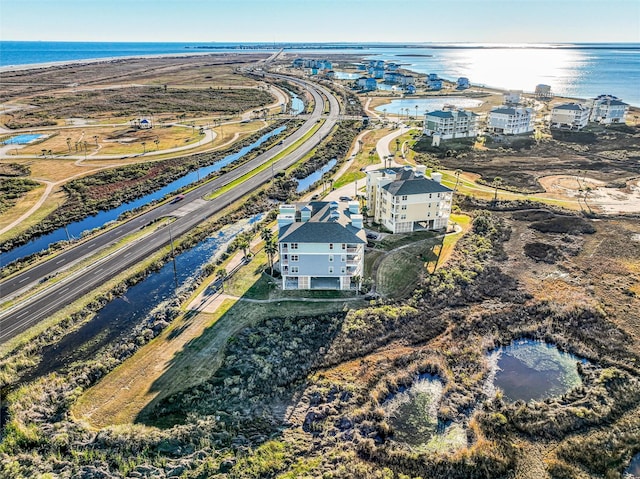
{"x":451,"y":123}
{"x":510,"y":120}
{"x":607,"y":109}
{"x":404,"y":199}
{"x":570,"y":116}
{"x":321,"y":245}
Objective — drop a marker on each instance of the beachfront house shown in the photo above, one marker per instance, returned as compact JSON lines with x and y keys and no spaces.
{"x":321,"y":245}
{"x":608,"y":109}
{"x":392,"y":77}
{"x":462,"y":83}
{"x":451,"y":123}
{"x":392,"y":67}
{"x":410,"y":89}
{"x":512,"y":97}
{"x":569,"y":116}
{"x":406,"y":80}
{"x":405,"y":199}
{"x":543,"y":92}
{"x":330,"y":74}
{"x":368,"y":84}
{"x":508,"y":120}
{"x":434,"y":84}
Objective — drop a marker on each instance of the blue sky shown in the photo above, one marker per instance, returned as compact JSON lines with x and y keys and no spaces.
{"x":508,"y":21}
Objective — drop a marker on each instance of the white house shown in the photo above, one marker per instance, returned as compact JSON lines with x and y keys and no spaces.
{"x":404,"y":199}
{"x":451,"y":123}
{"x":607,"y":109}
{"x":543,"y":92}
{"x":365,"y":83}
{"x":570,"y":116}
{"x":510,"y":120}
{"x":512,"y":97}
{"x":321,"y":245}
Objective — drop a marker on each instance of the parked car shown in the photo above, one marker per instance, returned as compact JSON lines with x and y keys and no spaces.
{"x":372,"y":236}
{"x":345,"y":198}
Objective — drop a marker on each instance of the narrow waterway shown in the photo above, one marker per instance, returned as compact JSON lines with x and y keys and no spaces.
{"x":76,"y":229}
{"x":307,"y":181}
{"x":120,"y":316}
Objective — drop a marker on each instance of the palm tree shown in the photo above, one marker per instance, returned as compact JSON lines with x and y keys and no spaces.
{"x":497,"y":181}
{"x":221,"y":275}
{"x":266,"y":234}
{"x":416,"y":112}
{"x":271,"y":248}
{"x":95,"y":137}
{"x":157,"y":142}
{"x":69,"y":144}
{"x":243,"y":244}
{"x":144,"y":147}
{"x":457,"y":173}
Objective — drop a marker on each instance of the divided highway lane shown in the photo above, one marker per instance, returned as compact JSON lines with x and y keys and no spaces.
{"x":28,"y":313}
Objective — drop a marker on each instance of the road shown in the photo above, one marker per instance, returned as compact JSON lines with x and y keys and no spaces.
{"x":27,"y":313}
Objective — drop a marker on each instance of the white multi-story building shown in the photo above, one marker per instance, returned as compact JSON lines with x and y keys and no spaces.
{"x":510,"y":120}
{"x":404,"y":199}
{"x":543,"y":92}
{"x":451,"y":123}
{"x":570,"y":116}
{"x":607,"y":109}
{"x":321,"y":245}
{"x":512,"y":97}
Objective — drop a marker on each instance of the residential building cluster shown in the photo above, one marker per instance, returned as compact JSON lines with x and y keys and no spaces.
{"x":321,"y":245}
{"x":405,"y":199}
{"x":388,"y":72}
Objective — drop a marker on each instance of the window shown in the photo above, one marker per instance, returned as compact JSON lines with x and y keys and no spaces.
{"x":294,"y":269}
{"x":343,"y":258}
{"x":330,"y":270}
{"x":330,"y":258}
{"x":294,"y":245}
{"x":403,"y":217}
{"x":330,"y":245}
{"x":404,"y":207}
{"x":343,"y":270}
{"x":344,"y":246}
{"x":404,"y":198}
{"x":294,"y":257}
{"x":429,"y":195}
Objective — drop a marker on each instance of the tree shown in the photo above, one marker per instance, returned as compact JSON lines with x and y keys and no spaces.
{"x":243,"y":244}
{"x":457,"y":172}
{"x":497,"y":181}
{"x":95,"y":138}
{"x":144,"y":147}
{"x":157,"y":142}
{"x":221,"y":275}
{"x":266,"y":234}
{"x":69,"y":144}
{"x":271,"y":248}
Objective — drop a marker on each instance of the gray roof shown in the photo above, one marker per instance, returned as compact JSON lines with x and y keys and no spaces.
{"x":319,"y":232}
{"x":326,"y":225}
{"x":617,"y":102}
{"x":570,"y":106}
{"x":450,"y":114}
{"x":415,"y":186}
{"x":504,"y":111}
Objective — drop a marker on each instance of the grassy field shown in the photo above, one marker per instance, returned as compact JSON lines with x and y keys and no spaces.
{"x":365,"y":157}
{"x":185,"y":354}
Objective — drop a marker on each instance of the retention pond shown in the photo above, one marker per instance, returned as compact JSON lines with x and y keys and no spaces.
{"x":533,"y":370}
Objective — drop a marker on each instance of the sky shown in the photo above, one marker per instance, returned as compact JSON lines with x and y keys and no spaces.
{"x":403,"y":21}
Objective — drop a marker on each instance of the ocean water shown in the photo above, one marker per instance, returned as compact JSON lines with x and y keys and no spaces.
{"x":574,"y":70}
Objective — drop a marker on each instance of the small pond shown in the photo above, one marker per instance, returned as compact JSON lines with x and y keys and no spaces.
{"x":633,"y":471}
{"x":399,"y":106}
{"x":307,"y":181}
{"x":412,"y":412}
{"x":532,"y":370}
{"x":347,"y":76}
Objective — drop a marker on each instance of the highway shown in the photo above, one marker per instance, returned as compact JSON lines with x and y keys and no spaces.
{"x":25,"y":314}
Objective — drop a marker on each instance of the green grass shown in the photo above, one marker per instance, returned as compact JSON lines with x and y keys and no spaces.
{"x":264,"y":166}
{"x":349,"y":177}
{"x":395,"y":241}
